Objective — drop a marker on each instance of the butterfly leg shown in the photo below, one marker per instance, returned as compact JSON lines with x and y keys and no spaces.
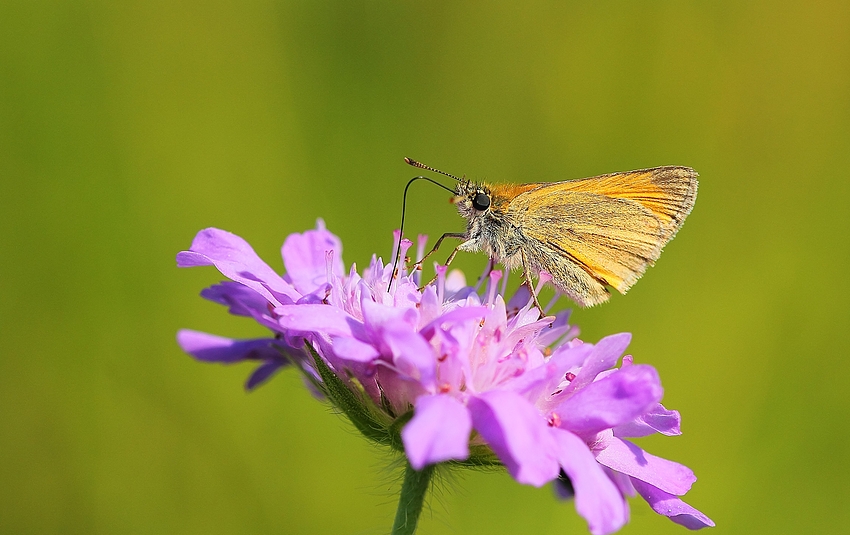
{"x":418,"y":265}
{"x":449,"y":259}
{"x":458,"y":235}
{"x":526,"y":275}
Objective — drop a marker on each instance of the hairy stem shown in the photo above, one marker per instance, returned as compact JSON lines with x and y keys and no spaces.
{"x":413,"y":492}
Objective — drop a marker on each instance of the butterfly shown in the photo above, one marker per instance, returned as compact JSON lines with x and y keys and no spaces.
{"x":588,"y":234}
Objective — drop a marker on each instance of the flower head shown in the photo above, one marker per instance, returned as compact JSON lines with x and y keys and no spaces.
{"x":451,"y":375}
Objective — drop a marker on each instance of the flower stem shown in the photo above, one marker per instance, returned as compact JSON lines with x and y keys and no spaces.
{"x":413,"y":492}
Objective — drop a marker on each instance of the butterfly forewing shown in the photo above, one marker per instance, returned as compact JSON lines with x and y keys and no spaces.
{"x":669,"y":192}
{"x":604,"y":230}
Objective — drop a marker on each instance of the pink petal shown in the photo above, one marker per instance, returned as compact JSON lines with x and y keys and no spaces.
{"x":671,"y":506}
{"x":305,"y":258}
{"x":439,"y":431}
{"x":325,"y":319}
{"x":376,"y":315}
{"x":241,"y":300}
{"x":597,"y":498}
{"x":236,"y":260}
{"x":657,"y":420}
{"x":538,"y":383}
{"x":623,"y":456}
{"x":411,"y":353}
{"x":518,"y":435}
{"x":430,"y":308}
{"x":211,"y":348}
{"x":612,"y":401}
{"x":353,"y":350}
{"x":454,"y":317}
{"x":604,"y":356}
{"x":263,"y":373}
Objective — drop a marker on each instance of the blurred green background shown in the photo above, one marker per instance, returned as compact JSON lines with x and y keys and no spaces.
{"x":125,"y":127}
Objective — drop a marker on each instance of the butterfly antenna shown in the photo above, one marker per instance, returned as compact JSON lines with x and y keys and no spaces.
{"x":404,"y":208}
{"x":420,"y":165}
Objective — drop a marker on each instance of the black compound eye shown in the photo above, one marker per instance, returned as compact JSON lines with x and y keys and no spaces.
{"x":481,"y":201}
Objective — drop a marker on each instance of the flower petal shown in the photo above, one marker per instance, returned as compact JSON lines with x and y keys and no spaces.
{"x":454,"y":317}
{"x":211,"y":348}
{"x":560,"y":327}
{"x":455,"y":282}
{"x":612,"y":401}
{"x":377,"y":315}
{"x":517,"y":433}
{"x":604,"y":356}
{"x":439,"y":431}
{"x":657,"y":420}
{"x":411,"y":353}
{"x":305,"y":259}
{"x":263,"y":373}
{"x":597,"y":498}
{"x":672,"y":507}
{"x":623,"y":456}
{"x":353,"y":350}
{"x":538,"y":383}
{"x":236,"y":260}
{"x":323,"y":319}
{"x":241,"y":300}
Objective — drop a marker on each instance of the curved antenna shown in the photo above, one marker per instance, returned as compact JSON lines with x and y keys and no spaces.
{"x":403,"y":208}
{"x":414,"y":163}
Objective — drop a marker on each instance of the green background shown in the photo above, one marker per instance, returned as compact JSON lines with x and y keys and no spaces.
{"x":125,"y":127}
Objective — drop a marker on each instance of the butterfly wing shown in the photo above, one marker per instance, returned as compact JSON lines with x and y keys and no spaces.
{"x":603,"y":231}
{"x":668,"y":192}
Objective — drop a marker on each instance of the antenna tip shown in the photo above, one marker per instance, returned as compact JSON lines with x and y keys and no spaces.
{"x":411,"y":161}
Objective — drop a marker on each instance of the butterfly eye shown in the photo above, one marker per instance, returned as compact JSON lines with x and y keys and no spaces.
{"x":481,"y":201}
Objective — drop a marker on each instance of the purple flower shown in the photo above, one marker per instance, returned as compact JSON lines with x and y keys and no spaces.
{"x":452,"y":374}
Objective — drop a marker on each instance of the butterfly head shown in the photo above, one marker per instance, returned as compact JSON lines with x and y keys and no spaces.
{"x":471,"y":199}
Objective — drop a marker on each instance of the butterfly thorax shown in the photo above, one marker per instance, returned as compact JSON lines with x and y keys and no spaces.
{"x":489,"y":225}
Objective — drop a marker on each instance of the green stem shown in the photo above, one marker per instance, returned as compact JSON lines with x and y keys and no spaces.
{"x":413,"y":492}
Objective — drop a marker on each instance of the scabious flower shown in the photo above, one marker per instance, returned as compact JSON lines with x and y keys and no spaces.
{"x":451,"y":374}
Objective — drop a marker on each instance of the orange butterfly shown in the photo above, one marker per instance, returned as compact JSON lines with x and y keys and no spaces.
{"x":588,"y":233}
